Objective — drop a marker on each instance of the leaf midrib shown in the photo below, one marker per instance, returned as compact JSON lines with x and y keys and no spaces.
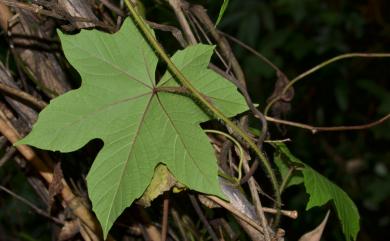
{"x":134,"y":139}
{"x":105,"y":107}
{"x":181,"y":140}
{"x":114,"y":66}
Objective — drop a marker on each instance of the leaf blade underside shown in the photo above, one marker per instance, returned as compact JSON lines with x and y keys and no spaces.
{"x":140,"y":127}
{"x":321,"y":190}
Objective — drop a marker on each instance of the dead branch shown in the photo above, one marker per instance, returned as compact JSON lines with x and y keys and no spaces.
{"x":32,"y":206}
{"x":75,"y":203}
{"x":315,"y":129}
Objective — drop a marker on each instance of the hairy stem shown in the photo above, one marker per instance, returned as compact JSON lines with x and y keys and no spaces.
{"x":196,"y":94}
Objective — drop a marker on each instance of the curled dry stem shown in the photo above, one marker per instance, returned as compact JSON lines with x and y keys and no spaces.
{"x":315,"y":129}
{"x":321,"y":65}
{"x":240,"y":149}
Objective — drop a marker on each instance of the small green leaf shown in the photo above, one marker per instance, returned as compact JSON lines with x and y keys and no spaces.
{"x":321,"y":191}
{"x":142,"y":126}
{"x":296,"y":177}
{"x":222,"y":11}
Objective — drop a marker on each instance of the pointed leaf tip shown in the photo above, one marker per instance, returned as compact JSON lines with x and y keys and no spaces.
{"x":140,"y":128}
{"x":321,"y":191}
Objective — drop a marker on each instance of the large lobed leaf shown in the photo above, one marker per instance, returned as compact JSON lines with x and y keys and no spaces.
{"x":141,"y":126}
{"x":321,"y":191}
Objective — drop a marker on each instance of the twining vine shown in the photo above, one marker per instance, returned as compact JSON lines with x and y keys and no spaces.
{"x":196,"y":94}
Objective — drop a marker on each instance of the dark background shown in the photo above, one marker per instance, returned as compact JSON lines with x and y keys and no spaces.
{"x":295,"y":36}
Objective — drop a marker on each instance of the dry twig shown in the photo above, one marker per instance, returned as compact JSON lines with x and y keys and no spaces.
{"x":177,"y":6}
{"x":315,"y":129}
{"x":164,"y":225}
{"x":257,"y":202}
{"x":203,"y":217}
{"x":32,"y":206}
{"x":236,"y":212}
{"x":76,"y":205}
{"x":19,"y":94}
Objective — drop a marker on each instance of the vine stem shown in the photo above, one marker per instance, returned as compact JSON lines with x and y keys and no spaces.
{"x":235,"y":143}
{"x":321,"y":65}
{"x":197,"y":95}
{"x":286,"y":179}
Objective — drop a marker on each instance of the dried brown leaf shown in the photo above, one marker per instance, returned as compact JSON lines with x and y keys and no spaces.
{"x":315,"y":234}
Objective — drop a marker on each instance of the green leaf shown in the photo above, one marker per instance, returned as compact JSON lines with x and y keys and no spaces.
{"x":141,"y":125}
{"x":321,"y":191}
{"x":295,"y":177}
{"x":225,"y":4}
